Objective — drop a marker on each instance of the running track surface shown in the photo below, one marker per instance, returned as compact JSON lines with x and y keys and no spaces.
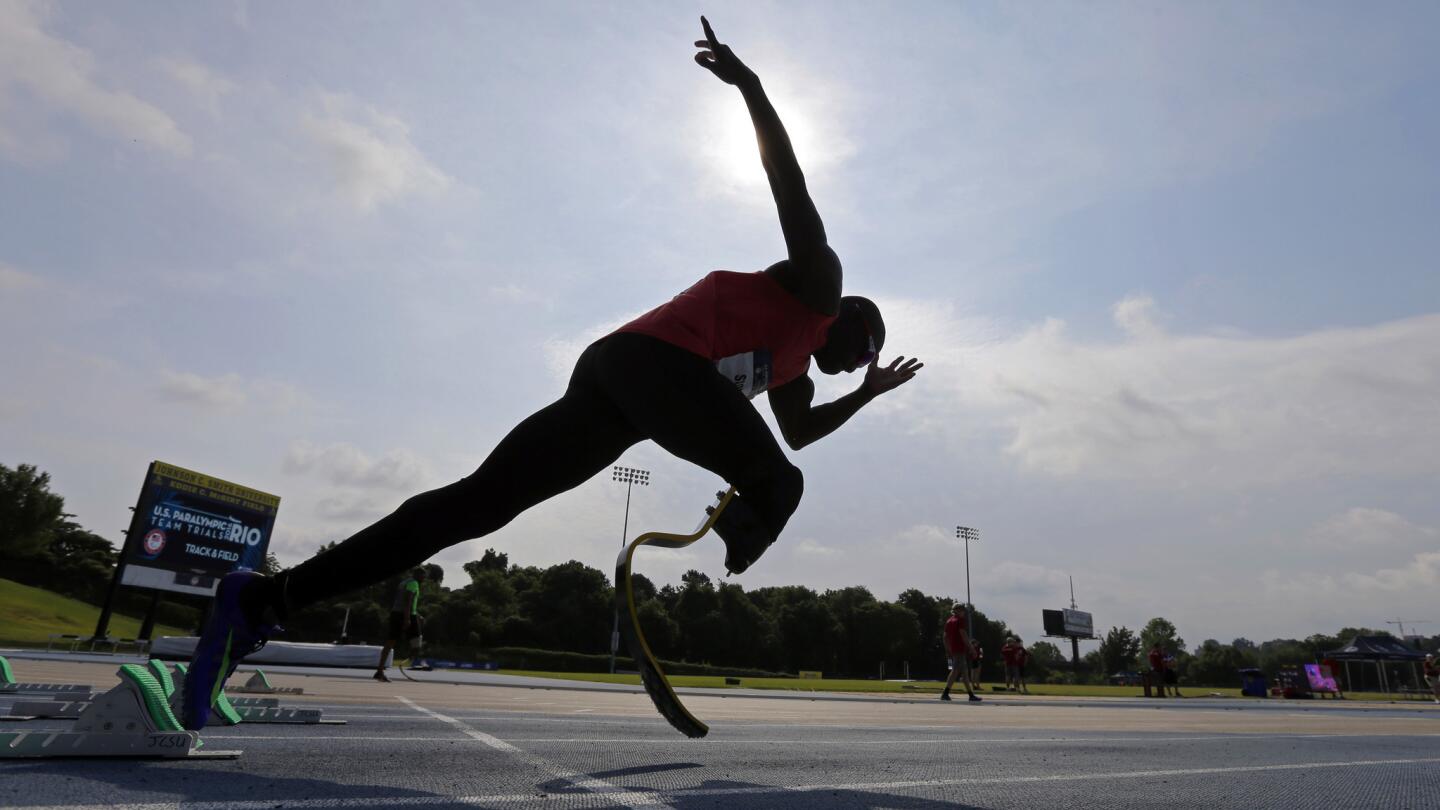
{"x":435,"y":745}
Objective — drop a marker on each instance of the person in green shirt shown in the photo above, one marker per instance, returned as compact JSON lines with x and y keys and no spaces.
{"x":402,"y":617}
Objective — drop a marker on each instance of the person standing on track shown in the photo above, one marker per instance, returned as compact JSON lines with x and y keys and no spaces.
{"x":1022,"y":656}
{"x":957,"y":652}
{"x":1007,"y":657}
{"x":403,"y":617}
{"x":680,"y":375}
{"x":1432,"y":675}
{"x":1157,"y":669}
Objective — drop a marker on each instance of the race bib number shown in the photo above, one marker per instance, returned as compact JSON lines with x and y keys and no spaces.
{"x":750,"y":371}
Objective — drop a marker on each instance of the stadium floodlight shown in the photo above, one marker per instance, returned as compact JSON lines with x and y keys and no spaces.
{"x":629,"y":476}
{"x":967,"y":534}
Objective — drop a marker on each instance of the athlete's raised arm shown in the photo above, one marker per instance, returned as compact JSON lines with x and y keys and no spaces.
{"x":812,"y":272}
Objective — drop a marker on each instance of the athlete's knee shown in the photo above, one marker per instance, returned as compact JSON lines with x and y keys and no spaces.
{"x":774,"y":490}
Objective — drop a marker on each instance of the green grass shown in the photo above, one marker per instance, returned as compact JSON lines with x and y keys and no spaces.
{"x":915,"y":688}
{"x":855,"y":685}
{"x":29,"y":615}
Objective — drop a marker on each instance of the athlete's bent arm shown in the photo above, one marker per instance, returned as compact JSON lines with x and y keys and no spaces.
{"x":801,"y":422}
{"x":812,"y":272}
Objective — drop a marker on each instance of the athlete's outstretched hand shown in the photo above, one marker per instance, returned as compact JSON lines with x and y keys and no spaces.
{"x":879,"y":380}
{"x":719,"y":59}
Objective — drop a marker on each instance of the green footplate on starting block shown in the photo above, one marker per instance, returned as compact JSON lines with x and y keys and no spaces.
{"x":133,"y":719}
{"x":651,"y":675}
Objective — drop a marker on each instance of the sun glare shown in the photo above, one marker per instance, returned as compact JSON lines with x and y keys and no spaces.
{"x":731,"y":153}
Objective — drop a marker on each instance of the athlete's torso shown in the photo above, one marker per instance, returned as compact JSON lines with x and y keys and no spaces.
{"x":758,"y":335}
{"x":407,"y":594}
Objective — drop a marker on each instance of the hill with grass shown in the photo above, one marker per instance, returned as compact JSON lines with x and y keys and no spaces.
{"x":29,"y":615}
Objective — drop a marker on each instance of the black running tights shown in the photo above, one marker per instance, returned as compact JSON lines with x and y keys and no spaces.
{"x":625,"y":388}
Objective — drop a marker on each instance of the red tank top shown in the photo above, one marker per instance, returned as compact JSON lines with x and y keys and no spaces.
{"x":757,"y":334}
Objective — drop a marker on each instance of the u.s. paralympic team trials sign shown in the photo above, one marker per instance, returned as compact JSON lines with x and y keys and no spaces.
{"x":190,"y":529}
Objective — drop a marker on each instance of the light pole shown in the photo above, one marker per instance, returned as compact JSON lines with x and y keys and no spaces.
{"x":629,"y":476}
{"x":967,"y":534}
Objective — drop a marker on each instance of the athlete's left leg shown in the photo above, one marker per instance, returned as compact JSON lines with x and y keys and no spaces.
{"x":554,"y":450}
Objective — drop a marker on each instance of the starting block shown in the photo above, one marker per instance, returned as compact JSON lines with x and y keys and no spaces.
{"x":8,"y":685}
{"x":656,"y":684}
{"x":47,"y":709}
{"x":260,"y":685}
{"x":233,"y":711}
{"x":131,"y":720}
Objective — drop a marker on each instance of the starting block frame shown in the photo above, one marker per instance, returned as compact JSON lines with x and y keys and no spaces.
{"x":233,"y":711}
{"x":63,"y":691}
{"x":260,"y":685}
{"x":131,"y":720}
{"x":651,"y":675}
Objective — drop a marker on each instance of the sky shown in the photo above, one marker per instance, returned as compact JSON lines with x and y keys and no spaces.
{"x":1170,"y":267}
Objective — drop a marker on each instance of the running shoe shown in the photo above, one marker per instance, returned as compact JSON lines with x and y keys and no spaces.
{"x":944,"y":695}
{"x":746,"y":536}
{"x":240,"y":623}
{"x":974,"y":698}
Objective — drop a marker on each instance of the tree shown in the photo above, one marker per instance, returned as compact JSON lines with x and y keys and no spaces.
{"x":1044,"y":659}
{"x":1216,"y":664}
{"x":29,"y":512}
{"x":571,"y":608}
{"x":1119,"y":651}
{"x":1161,"y":631}
{"x":931,"y":613}
{"x":491,"y":560}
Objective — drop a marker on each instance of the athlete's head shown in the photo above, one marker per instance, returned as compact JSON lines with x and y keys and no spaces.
{"x":420,"y":574}
{"x":854,"y":339}
{"x":958,"y":608}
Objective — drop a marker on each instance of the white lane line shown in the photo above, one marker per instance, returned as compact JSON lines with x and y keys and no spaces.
{"x":611,"y":792}
{"x":670,"y":740}
{"x":330,"y":738}
{"x":562,"y":800}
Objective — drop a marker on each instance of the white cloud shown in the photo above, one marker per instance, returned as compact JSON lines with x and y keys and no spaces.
{"x":224,"y":391}
{"x":1417,"y":577}
{"x":1012,"y":577}
{"x":367,"y":153}
{"x":206,"y":85}
{"x":1368,"y":528}
{"x":1135,"y":315}
{"x":1180,"y":410}
{"x":14,"y":280}
{"x":810,"y":547}
{"x":347,"y":465}
{"x":231,"y":391}
{"x":61,"y":77}
{"x":351,"y":508}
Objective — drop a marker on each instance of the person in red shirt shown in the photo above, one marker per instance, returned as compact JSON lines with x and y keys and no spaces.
{"x":1157,"y":669}
{"x":1022,"y":655}
{"x":681,"y":375}
{"x":1007,"y":656}
{"x":957,"y":652}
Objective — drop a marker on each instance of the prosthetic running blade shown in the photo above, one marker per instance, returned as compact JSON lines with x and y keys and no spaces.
{"x":656,"y":684}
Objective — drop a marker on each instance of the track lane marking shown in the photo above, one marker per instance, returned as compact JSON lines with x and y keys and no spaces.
{"x":611,"y":792}
{"x":560,"y":800}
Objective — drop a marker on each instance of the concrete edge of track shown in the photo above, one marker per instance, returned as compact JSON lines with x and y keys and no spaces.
{"x":480,"y":678}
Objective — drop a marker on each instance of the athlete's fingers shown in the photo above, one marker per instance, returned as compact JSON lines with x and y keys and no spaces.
{"x":709,"y":32}
{"x":706,"y":61}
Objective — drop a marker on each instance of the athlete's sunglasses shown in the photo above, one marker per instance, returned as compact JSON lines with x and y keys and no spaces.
{"x":869,"y":353}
